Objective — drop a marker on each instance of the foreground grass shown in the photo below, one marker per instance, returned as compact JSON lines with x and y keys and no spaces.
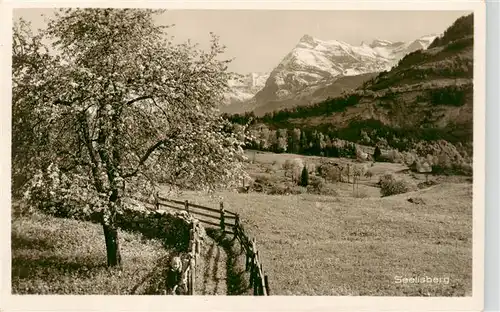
{"x":61,"y":256}
{"x":321,"y":245}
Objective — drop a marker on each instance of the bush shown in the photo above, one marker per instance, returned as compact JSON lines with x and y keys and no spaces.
{"x":277,"y":190}
{"x":329,"y":172}
{"x":453,"y":169}
{"x":316,"y":185}
{"x":311,"y":168}
{"x":296,"y":190}
{"x":389,"y":185}
{"x":287,"y":166}
{"x":394,"y":156}
{"x":263,"y":183}
{"x":319,"y":186}
{"x":286,"y":190}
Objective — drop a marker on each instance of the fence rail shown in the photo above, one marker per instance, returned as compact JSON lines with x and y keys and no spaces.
{"x":253,"y":264}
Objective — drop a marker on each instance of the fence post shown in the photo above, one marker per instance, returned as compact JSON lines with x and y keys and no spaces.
{"x":186,"y":205}
{"x":255,"y":279}
{"x":157,"y":201}
{"x":266,"y":281}
{"x":222,"y":223}
{"x":193,"y":274}
{"x":242,"y":237}
{"x":236,"y":226}
{"x":251,"y":266}
{"x":262,"y":281}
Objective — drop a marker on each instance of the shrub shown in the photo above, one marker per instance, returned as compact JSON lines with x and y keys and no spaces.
{"x":316,"y":185}
{"x":295,"y":190}
{"x":453,"y":169}
{"x":297,"y":166}
{"x":360,"y":155}
{"x":322,"y":189}
{"x":286,"y":190}
{"x":389,"y":185}
{"x":394,"y":156}
{"x":311,"y":168}
{"x":329,"y":172}
{"x":269,"y":170}
{"x":262,"y":183}
{"x":304,"y":177}
{"x":277,"y":190}
{"x":287,"y":166}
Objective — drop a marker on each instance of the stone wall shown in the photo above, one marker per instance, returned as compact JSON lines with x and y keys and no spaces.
{"x":172,"y":228}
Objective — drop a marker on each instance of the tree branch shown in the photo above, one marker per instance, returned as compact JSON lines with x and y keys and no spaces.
{"x":95,"y":163}
{"x":148,"y":153}
{"x":144,"y":97}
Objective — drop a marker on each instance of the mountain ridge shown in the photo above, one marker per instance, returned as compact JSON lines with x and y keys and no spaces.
{"x":314,"y":63}
{"x":427,"y":96}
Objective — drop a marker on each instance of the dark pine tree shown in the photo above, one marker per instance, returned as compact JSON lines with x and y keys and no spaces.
{"x":304,"y":177}
{"x":376,"y":153}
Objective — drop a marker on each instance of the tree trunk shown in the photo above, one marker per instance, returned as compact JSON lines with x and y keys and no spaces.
{"x":112,"y":245}
{"x":111,"y":231}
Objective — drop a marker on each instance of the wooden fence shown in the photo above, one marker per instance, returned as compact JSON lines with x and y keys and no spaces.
{"x":206,"y":215}
{"x":258,"y":280}
{"x":193,"y":256}
{"x":229,"y":223}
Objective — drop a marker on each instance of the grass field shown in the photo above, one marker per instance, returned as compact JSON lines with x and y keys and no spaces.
{"x":341,"y":245}
{"x":62,"y":256}
{"x":309,"y":244}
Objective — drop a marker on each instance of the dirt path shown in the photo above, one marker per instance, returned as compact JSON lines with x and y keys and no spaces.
{"x":234,"y":264}
{"x":211,"y":275}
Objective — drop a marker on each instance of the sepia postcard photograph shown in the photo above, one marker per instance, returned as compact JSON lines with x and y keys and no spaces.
{"x":225,"y":152}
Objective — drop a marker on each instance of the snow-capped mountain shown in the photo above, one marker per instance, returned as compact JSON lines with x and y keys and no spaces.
{"x":314,"y":60}
{"x":246,"y":87}
{"x":314,"y":63}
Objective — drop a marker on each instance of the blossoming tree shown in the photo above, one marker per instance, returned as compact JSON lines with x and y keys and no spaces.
{"x":114,"y":107}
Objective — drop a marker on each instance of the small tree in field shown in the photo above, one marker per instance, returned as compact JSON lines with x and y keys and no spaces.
{"x":376,"y":153}
{"x":304,"y":177}
{"x":114,"y":108}
{"x":297,"y":166}
{"x":358,"y":171}
{"x":287,"y":166}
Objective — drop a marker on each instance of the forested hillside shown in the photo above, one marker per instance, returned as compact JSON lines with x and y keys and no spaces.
{"x":426,"y":100}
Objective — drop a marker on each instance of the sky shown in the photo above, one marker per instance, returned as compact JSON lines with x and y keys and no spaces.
{"x":259,"y":39}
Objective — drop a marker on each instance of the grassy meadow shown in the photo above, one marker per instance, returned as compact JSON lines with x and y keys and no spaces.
{"x":351,"y":245}
{"x":62,"y":256}
{"x":343,"y":243}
